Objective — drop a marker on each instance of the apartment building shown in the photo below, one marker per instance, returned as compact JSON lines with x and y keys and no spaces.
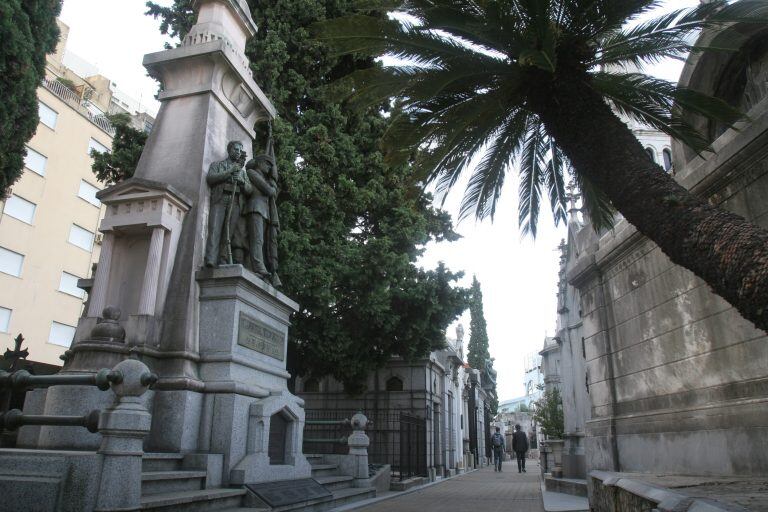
{"x":49,"y":223}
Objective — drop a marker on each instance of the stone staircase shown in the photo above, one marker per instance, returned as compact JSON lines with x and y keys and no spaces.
{"x":167,"y":487}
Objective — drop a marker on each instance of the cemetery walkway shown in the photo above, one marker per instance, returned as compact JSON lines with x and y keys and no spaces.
{"x":480,"y":491}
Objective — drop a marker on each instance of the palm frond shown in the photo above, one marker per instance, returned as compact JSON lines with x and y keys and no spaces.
{"x":659,"y":104}
{"x":376,"y":36}
{"x":485,"y":184}
{"x":555,"y":182}
{"x":478,"y":23}
{"x":595,"y":204}
{"x":668,"y":35}
{"x":532,"y":164}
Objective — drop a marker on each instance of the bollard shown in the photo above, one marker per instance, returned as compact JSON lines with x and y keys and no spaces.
{"x":358,"y":443}
{"x":123,"y":428}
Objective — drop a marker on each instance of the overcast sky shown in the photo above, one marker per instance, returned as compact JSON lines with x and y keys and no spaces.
{"x":518,"y":276}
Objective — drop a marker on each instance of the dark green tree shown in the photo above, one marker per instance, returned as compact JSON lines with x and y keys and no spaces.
{"x":479,"y":356}
{"x":28,"y":32}
{"x":477,"y":348}
{"x":127,"y":145}
{"x":353,"y":226}
{"x":539,"y":83}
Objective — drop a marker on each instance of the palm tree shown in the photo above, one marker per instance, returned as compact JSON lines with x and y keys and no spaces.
{"x":537,"y":84}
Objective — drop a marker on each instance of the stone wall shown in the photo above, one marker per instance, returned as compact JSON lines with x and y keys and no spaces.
{"x":677,"y":378}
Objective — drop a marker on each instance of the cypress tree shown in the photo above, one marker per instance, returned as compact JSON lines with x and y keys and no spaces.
{"x":478,"y":343}
{"x":478,"y":335}
{"x":28,"y":32}
{"x":352,"y":225}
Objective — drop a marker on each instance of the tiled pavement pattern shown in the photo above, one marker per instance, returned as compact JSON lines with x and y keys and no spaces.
{"x":479,"y":491}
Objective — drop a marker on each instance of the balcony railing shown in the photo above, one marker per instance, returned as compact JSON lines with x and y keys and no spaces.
{"x":72,"y":99}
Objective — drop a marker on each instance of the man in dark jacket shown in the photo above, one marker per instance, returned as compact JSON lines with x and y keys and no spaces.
{"x":520,"y":446}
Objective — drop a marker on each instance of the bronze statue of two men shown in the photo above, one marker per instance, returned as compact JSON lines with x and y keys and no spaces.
{"x":242,"y":222}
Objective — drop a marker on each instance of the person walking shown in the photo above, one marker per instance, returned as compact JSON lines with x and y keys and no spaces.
{"x":520,"y":446}
{"x":497,"y":442}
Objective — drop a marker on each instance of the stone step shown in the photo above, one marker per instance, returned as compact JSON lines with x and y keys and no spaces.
{"x":159,"y":482}
{"x":324,"y":470}
{"x":352,"y":495}
{"x":161,"y":461}
{"x":333,"y":483}
{"x":204,"y":500}
{"x":244,"y":509}
{"x":339,"y":498}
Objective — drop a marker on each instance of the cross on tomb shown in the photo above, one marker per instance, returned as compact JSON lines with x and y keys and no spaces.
{"x":15,"y":355}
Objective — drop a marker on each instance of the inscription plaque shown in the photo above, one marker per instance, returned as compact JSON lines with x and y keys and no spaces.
{"x":258,"y":336}
{"x":289,"y":492}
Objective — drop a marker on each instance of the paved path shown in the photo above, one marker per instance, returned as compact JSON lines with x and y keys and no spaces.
{"x":479,"y":491}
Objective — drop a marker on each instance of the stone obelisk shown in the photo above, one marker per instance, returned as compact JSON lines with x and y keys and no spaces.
{"x":215,"y":337}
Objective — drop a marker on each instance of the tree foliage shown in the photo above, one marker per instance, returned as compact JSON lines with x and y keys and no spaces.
{"x":352,"y":225}
{"x":548,"y":413}
{"x":539,"y":85}
{"x":127,"y":145}
{"x":28,"y":32}
{"x":479,"y":356}
{"x":477,"y":347}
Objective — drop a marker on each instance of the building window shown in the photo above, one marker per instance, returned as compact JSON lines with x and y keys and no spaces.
{"x":35,"y":162}
{"x":5,"y":319}
{"x":68,"y":284}
{"x":651,"y":154}
{"x":394,"y":384}
{"x":94,"y":145}
{"x":48,"y":116}
{"x":11,"y":262}
{"x":81,"y":237}
{"x":19,"y":208}
{"x":667,"y":154}
{"x":88,"y":192}
{"x":61,"y":334}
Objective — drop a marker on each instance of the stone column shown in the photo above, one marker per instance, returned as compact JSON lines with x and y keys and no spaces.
{"x":358,"y":443}
{"x":123,"y":428}
{"x":98,"y":297}
{"x":152,"y":272}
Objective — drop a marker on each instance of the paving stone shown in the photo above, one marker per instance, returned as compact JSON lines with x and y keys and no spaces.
{"x":484,"y":490}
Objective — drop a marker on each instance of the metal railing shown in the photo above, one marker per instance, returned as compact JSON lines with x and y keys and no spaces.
{"x":397,"y":438}
{"x":72,"y":99}
{"x":23,"y":380}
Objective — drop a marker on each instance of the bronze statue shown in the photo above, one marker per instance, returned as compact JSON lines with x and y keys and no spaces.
{"x":242,"y":224}
{"x":261,"y":214}
{"x":228,"y":183}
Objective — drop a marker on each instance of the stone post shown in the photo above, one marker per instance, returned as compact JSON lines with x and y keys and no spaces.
{"x":97,"y":299}
{"x":152,"y":272}
{"x":358,"y":449}
{"x":123,"y":428}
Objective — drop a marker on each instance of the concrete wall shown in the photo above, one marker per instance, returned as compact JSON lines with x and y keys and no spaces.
{"x":677,"y":378}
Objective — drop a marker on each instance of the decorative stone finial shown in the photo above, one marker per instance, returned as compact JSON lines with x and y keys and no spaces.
{"x":359,"y":421}
{"x":108,"y":328}
{"x":136,"y":377}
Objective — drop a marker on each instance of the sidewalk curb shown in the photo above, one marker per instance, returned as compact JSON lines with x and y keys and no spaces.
{"x":395,"y":494}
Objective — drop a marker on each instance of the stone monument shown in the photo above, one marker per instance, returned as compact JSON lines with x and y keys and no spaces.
{"x":178,"y":288}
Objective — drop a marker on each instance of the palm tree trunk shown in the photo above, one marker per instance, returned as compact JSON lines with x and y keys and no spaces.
{"x":722,"y":248}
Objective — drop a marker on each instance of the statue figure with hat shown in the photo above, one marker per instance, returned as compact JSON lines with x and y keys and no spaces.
{"x":260,"y":213}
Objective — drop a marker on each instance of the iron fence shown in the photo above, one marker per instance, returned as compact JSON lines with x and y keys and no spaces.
{"x":397,"y":437}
